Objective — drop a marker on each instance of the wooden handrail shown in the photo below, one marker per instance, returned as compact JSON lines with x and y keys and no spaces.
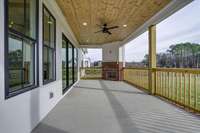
{"x":180,"y":70}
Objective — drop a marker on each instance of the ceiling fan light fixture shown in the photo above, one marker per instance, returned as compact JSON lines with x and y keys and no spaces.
{"x":125,"y":25}
{"x":84,"y":24}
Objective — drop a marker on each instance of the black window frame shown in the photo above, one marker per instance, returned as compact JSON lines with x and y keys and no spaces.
{"x":48,"y":47}
{"x":72,"y":47}
{"x":74,"y":80}
{"x":67,"y":65}
{"x":9,"y":31}
{"x":67,"y":61}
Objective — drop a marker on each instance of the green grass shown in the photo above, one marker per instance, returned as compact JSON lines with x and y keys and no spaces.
{"x":93,"y":73}
{"x":177,"y":89}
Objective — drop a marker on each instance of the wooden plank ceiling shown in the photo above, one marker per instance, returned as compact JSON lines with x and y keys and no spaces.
{"x":132,"y":13}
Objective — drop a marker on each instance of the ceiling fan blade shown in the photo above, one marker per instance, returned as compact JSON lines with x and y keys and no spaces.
{"x":109,"y":28}
{"x":98,"y":31}
{"x":100,"y":26}
{"x":108,"y":32}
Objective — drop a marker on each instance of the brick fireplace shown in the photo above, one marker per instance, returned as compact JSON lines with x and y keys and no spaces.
{"x":112,"y":71}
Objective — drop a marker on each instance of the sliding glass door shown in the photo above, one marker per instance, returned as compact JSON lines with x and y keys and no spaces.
{"x":69,"y":64}
{"x":75,"y":65}
{"x":64,"y":64}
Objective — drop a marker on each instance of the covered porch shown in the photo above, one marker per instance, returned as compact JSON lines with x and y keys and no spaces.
{"x":65,"y":96}
{"x":100,"y":106}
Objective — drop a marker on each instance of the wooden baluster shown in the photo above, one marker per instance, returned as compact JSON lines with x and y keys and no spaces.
{"x":165,"y":84}
{"x":195,"y":91}
{"x":172,"y":86}
{"x":160,"y":83}
{"x":156,"y":92}
{"x":180,"y":88}
{"x":184,"y":93}
{"x":176,"y":88}
{"x":168,"y":85}
{"x":189,"y":88}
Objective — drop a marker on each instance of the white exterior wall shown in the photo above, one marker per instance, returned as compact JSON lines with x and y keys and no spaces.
{"x":113,"y":52}
{"x":20,"y":114}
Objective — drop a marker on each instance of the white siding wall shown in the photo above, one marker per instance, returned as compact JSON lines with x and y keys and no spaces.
{"x":110,"y":52}
{"x":20,"y":114}
{"x":113,"y":52}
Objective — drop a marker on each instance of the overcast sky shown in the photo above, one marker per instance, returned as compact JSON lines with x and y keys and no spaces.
{"x":183,"y":26}
{"x":94,"y":54}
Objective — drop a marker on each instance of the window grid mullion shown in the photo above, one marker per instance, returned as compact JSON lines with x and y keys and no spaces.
{"x":24,"y":16}
{"x":22,"y":60}
{"x":67,"y":64}
{"x":73,"y":64}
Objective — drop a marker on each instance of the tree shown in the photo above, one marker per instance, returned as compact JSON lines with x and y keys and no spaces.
{"x":180,"y":55}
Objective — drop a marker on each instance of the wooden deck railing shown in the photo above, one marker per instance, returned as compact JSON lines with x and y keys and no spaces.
{"x":137,"y":76}
{"x":91,"y":73}
{"x":181,"y":86}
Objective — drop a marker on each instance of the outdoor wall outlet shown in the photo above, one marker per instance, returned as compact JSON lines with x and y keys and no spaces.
{"x":51,"y":94}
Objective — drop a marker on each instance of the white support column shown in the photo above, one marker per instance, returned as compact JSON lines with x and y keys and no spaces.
{"x":123,"y":56}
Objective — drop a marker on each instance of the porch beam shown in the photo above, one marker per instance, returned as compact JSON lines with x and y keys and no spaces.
{"x":152,"y":58}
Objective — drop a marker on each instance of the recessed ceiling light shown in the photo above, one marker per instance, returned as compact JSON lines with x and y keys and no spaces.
{"x":124,"y":25}
{"x":84,"y":23}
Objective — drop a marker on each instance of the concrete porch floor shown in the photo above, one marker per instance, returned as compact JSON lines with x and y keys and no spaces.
{"x":98,"y":106}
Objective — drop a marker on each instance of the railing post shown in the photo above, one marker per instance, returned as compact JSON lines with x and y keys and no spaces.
{"x":152,"y":59}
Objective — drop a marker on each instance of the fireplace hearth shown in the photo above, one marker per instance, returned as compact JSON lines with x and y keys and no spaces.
{"x":112,"y":70}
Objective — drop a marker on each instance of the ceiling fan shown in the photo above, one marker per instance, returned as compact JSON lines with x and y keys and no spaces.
{"x":105,"y":29}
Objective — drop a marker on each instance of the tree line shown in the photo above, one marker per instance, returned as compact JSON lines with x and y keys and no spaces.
{"x":182,"y":55}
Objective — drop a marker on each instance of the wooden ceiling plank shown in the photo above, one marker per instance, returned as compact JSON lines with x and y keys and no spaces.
{"x":114,"y":12}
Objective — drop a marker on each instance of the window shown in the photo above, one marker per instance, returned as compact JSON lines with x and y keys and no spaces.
{"x":20,"y":48}
{"x":49,"y":50}
{"x":21,"y":63}
{"x":22,"y":17}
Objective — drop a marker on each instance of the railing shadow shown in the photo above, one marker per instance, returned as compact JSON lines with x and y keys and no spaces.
{"x":125,"y":122}
{"x":120,"y":91}
{"x":44,"y":128}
